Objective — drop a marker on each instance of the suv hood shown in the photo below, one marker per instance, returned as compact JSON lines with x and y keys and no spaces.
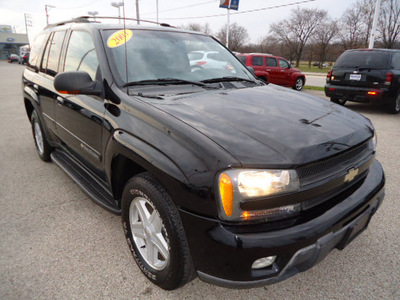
{"x":270,"y":125}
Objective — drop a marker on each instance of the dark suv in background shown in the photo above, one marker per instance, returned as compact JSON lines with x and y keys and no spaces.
{"x":366,"y":75}
{"x":215,"y":173}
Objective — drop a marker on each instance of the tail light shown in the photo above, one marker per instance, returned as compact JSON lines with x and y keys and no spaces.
{"x":200,"y":63}
{"x":328,"y":76}
{"x":389,"y":78}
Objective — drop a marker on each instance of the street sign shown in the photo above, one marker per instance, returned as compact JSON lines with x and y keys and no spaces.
{"x":224,"y":3}
{"x":231,"y":4}
{"x":234,"y":4}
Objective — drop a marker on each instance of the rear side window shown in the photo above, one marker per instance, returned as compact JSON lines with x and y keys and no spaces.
{"x":258,"y":61}
{"x":81,"y":54}
{"x":52,"y":53}
{"x":363,"y":59}
{"x":396,"y":61}
{"x":271,"y":62}
{"x":215,"y":56}
{"x":36,"y":50}
{"x":195,"y":55}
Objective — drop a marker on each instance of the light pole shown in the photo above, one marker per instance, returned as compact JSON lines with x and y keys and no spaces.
{"x":157,"y":9}
{"x":47,"y":8}
{"x":118,"y":5}
{"x":93,"y":13}
{"x":374,"y":23}
{"x":28,"y":22}
{"x":137,"y":12}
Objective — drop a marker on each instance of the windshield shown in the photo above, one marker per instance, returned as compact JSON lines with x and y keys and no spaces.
{"x":153,"y":55}
{"x":363,"y":59}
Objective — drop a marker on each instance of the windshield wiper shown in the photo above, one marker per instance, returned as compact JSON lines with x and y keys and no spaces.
{"x":228,"y":78}
{"x":162,"y":81}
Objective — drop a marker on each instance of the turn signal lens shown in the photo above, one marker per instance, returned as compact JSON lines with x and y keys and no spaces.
{"x":372,"y":93}
{"x":226,"y":191}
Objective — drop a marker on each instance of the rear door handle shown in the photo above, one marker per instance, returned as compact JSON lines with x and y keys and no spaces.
{"x":268,"y":69}
{"x":60,"y":100}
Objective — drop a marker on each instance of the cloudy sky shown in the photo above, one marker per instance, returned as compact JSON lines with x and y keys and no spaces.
{"x":174,"y":12}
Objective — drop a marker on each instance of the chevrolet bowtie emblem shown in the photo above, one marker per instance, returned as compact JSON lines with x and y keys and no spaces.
{"x":351,"y":175}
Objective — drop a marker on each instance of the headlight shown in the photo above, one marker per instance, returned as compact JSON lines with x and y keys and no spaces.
{"x":238,"y":185}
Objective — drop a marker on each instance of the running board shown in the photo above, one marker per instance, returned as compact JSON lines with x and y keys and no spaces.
{"x":85,"y":180}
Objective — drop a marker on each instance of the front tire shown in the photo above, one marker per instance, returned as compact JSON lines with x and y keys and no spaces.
{"x":394,"y":107}
{"x":338,"y":101}
{"x":155,"y":234}
{"x":42,"y":146}
{"x":298,"y":85}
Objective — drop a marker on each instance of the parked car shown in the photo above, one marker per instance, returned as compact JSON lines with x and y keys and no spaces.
{"x":274,"y":69}
{"x":236,"y":181}
{"x":23,"y":59}
{"x":366,"y":75}
{"x":208,"y":60}
{"x":13,"y":58}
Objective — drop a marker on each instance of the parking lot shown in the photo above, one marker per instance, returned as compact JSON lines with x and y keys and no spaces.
{"x":55,"y":243}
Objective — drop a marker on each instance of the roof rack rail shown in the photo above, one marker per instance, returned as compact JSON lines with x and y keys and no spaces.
{"x":88,"y":19}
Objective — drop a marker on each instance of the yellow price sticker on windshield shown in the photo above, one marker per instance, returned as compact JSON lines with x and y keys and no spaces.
{"x":119,"y":38}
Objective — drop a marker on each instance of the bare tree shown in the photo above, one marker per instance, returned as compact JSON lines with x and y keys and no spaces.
{"x":238,"y":36}
{"x":296,"y":31}
{"x":389,"y":22}
{"x":198,"y":27}
{"x":323,"y":37}
{"x":351,"y":24}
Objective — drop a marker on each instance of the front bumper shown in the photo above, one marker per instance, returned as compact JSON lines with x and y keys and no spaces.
{"x":357,"y":94}
{"x":223,"y":254}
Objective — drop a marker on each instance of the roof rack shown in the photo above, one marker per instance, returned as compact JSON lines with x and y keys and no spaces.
{"x":88,"y":19}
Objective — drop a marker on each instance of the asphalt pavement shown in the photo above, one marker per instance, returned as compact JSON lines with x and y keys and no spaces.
{"x":55,"y":243}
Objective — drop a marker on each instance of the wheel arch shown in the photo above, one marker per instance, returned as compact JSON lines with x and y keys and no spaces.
{"x":127,"y":156}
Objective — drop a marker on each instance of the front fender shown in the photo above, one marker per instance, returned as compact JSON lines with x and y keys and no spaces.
{"x":141,"y":153}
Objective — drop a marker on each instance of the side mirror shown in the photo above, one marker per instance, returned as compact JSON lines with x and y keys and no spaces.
{"x":76,"y":83}
{"x":251,"y":69}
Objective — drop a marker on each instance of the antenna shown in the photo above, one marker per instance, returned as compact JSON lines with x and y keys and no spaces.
{"x":126,"y":49}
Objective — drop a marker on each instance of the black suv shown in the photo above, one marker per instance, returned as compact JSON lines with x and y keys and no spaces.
{"x":366,"y":75}
{"x":215,"y":173}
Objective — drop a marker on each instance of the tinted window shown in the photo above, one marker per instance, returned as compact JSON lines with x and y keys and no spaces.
{"x":36,"y":50}
{"x":81,"y":54}
{"x":363,"y":59}
{"x":396,"y":60}
{"x":283,"y":63}
{"x":54,"y":54}
{"x":43,"y":66}
{"x":258,"y":61}
{"x":271,"y":62}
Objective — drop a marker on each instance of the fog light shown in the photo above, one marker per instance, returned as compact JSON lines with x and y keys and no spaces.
{"x":263,"y":262}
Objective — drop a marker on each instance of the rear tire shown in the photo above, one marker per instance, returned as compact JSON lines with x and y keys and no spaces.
{"x":155,"y":234}
{"x":394,"y":106}
{"x":339,"y":101}
{"x":42,"y":146}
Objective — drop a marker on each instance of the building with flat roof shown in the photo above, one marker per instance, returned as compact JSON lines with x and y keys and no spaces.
{"x":10,"y":43}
